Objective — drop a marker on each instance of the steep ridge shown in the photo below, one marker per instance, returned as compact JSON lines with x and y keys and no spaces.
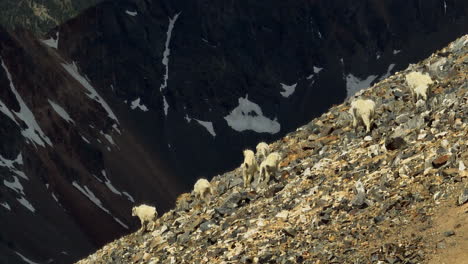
{"x":68,"y":165}
{"x":229,"y":74}
{"x":397,"y":195}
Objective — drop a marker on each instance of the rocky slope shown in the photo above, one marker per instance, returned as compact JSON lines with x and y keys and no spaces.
{"x":397,"y":195}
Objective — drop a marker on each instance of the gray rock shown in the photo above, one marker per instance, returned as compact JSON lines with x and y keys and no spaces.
{"x":395,"y":143}
{"x":449,"y":233}
{"x":463,"y":198}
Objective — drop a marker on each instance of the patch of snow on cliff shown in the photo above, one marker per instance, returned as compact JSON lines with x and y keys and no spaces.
{"x":26,"y":204}
{"x":109,"y":184}
{"x":249,"y":116}
{"x":61,"y":112}
{"x":53,"y":43}
{"x":6,"y":206}
{"x":208,"y":126}
{"x":354,"y":84}
{"x":120,"y":222}
{"x":108,"y":137}
{"x":389,"y":71}
{"x":90,"y":195}
{"x":165,"y":60}
{"x":33,"y":132}
{"x":288,"y":89}
{"x":4,"y":109}
{"x":395,"y":52}
{"x":166,"y":106}
{"x":136,"y":104}
{"x":131,"y":13}
{"x":15,"y":185}
{"x":317,"y":69}
{"x":25,"y":259}
{"x":85,"y":139}
{"x":72,"y":69}
{"x":129,"y":197}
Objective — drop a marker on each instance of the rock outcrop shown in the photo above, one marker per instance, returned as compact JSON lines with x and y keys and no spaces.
{"x":340,"y":197}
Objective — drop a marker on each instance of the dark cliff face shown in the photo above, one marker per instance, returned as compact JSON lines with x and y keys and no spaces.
{"x":70,"y":168}
{"x":196,"y":59}
{"x":182,"y":87}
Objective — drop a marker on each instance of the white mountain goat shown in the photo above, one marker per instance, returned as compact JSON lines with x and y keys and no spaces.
{"x":418,"y":84}
{"x":202,"y":188}
{"x":269,"y":166}
{"x":146,"y":213}
{"x":262,"y":150}
{"x":249,"y":167}
{"x":362,"y":110}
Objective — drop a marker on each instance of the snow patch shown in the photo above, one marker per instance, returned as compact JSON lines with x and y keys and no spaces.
{"x":88,"y":193}
{"x":25,"y":259}
{"x":15,"y":185}
{"x":72,"y":69}
{"x":129,"y":197}
{"x":116,"y":128}
{"x":120,"y":222}
{"x":131,"y":13}
{"x":55,"y":197}
{"x":6,"y":206}
{"x":288,"y":89}
{"x":53,"y":43}
{"x":166,"y":105}
{"x":208,"y":126}
{"x":33,"y":132}
{"x":61,"y":112}
{"x":317,"y":69}
{"x":389,"y":71}
{"x":108,"y":137}
{"x":165,"y":60}
{"x":249,"y":116}
{"x":85,"y":139}
{"x":109,"y":184}
{"x":26,"y":204}
{"x":4,"y":109}
{"x":395,"y":52}
{"x":136,"y":104}
{"x":354,"y":84}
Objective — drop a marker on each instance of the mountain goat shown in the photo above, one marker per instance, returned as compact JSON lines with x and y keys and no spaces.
{"x":418,"y":84}
{"x":269,"y":166}
{"x":262,"y":150}
{"x":249,"y":167}
{"x":202,"y":188}
{"x":146,"y":213}
{"x":362,"y":110}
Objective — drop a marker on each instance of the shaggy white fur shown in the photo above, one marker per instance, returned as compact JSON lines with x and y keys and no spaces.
{"x":418,"y":84}
{"x":249,"y":167}
{"x":269,"y":166}
{"x":262,"y":150}
{"x":146,"y":213}
{"x":362,"y":110}
{"x":202,"y":188}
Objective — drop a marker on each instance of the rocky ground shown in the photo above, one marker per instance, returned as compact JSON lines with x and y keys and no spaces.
{"x":396,"y":195}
